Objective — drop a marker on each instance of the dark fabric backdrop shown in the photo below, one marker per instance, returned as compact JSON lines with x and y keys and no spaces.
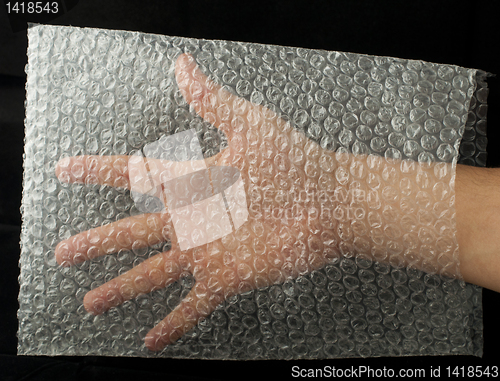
{"x":461,"y":32}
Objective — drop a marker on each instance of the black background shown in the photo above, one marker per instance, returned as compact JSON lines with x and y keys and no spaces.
{"x":457,"y":32}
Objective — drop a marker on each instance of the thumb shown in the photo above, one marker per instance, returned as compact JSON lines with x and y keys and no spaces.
{"x":198,"y":304}
{"x":212,"y":102}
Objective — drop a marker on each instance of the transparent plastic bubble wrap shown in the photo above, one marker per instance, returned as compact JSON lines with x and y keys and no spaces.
{"x":214,"y":199}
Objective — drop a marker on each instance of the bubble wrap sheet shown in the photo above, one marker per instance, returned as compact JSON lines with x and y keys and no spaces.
{"x":295,"y":203}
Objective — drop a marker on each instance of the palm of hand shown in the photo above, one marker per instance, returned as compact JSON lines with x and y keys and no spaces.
{"x":284,"y":236}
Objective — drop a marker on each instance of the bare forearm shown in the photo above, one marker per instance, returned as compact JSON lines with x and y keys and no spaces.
{"x":477,"y":203}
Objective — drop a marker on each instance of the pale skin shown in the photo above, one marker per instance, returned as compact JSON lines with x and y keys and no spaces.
{"x":478,"y":216}
{"x":265,"y":250}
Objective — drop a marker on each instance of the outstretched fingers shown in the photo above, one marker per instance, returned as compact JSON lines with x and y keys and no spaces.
{"x":129,"y":233}
{"x":197,"y":305}
{"x":154,"y":273}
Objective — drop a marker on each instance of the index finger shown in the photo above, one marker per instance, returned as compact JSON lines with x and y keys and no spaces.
{"x":114,"y":170}
{"x":94,"y":169}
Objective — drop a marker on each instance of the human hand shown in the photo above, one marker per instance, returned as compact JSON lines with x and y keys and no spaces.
{"x":303,"y":211}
